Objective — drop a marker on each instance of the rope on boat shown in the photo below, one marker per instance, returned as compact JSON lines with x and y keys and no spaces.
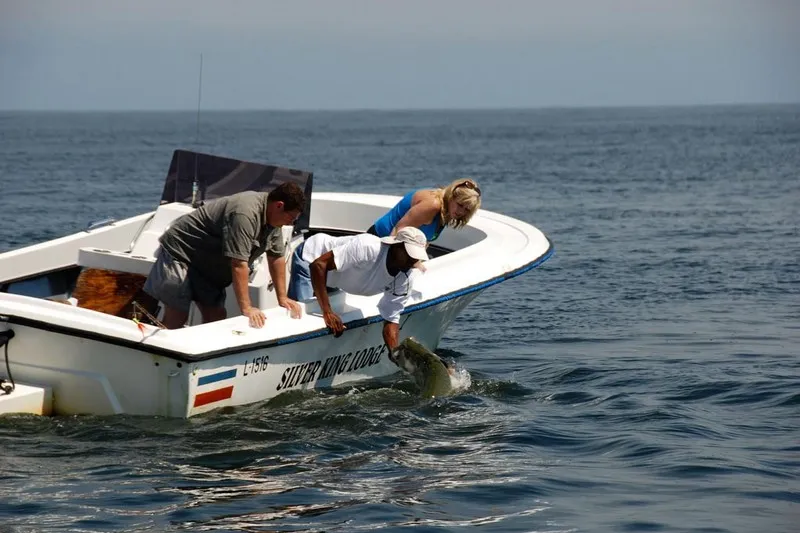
{"x":139,"y":308}
{"x":5,"y":337}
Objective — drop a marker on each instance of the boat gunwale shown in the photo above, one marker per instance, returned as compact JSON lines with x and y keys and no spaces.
{"x":280,"y":341}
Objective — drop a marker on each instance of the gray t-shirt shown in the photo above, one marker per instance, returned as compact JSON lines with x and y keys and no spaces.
{"x":232,"y":227}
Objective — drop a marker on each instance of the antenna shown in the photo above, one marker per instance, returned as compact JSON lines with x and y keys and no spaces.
{"x":195,"y":183}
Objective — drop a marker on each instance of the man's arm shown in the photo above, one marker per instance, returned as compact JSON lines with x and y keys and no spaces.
{"x":277,"y":271}
{"x":241,"y":277}
{"x":238,"y":233}
{"x":391,"y":307}
{"x":391,"y":333}
{"x":319,"y":277}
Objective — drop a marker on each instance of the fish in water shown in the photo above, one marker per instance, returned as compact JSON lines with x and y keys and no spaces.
{"x":431,"y":374}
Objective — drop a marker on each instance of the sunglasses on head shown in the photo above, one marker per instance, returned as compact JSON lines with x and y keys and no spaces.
{"x":470,"y":185}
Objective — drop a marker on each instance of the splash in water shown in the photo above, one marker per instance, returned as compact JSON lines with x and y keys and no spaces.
{"x":459,"y":377}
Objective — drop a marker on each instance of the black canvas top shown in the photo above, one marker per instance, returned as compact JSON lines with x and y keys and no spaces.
{"x":221,"y":176}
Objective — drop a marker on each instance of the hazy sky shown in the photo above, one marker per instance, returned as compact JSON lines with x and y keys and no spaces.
{"x":356,"y":54}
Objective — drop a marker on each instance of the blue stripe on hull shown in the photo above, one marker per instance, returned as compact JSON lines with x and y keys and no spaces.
{"x":219,"y":376}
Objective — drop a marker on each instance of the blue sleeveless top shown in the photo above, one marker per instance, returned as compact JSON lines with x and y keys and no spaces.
{"x":385,"y":224}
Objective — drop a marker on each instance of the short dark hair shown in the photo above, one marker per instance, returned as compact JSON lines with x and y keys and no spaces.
{"x":292,"y":196}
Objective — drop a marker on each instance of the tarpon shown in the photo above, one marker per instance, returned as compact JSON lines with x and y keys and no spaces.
{"x":431,"y":374}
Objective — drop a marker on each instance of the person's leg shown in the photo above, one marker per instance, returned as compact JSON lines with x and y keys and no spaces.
{"x":209,"y":298}
{"x":211,"y":313}
{"x":167,"y":282}
{"x":300,"y":279}
{"x":174,"y":318}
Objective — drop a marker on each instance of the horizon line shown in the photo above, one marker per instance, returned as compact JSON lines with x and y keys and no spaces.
{"x":398,"y":109}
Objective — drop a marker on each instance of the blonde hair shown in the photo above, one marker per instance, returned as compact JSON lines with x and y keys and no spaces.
{"x":466,"y":193}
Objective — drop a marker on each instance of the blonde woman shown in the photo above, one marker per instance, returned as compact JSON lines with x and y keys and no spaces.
{"x":432,"y":210}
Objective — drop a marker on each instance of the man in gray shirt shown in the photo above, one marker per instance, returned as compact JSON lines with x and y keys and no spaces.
{"x":215,"y":245}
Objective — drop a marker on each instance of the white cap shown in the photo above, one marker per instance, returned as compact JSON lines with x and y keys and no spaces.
{"x":414,"y":240}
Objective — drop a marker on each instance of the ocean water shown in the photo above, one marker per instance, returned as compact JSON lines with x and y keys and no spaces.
{"x":645,"y":378}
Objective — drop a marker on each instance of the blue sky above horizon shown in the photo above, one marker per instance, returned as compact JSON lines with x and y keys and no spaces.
{"x":414,"y":54}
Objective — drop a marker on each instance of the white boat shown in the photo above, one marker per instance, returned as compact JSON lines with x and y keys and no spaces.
{"x":86,"y":361}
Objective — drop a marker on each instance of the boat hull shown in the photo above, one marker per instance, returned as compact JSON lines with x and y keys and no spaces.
{"x":90,"y":375}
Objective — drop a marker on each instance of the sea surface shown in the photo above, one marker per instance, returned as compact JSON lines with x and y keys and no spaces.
{"x":646,"y":378}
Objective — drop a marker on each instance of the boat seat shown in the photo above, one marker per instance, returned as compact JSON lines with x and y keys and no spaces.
{"x":147,"y":243}
{"x":116,"y":261}
{"x":142,"y":255}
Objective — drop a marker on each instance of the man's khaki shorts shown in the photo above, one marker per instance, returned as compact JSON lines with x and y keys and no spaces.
{"x":177,"y":285}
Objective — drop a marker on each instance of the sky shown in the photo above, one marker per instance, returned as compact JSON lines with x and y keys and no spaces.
{"x":401,"y":54}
